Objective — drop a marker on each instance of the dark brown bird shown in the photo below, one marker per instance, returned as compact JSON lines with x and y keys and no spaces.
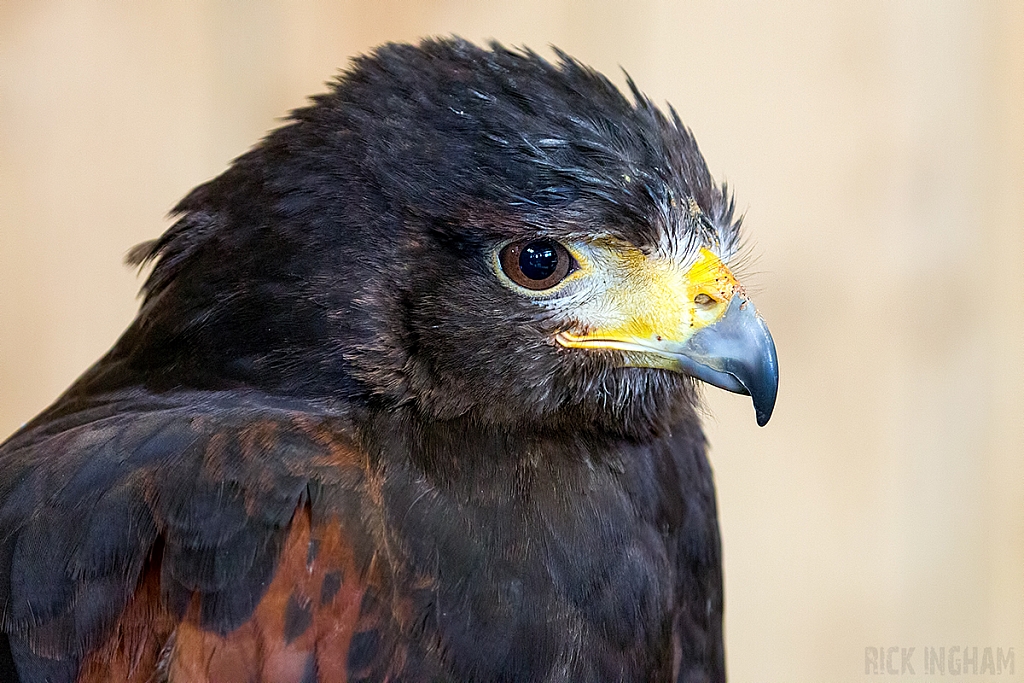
{"x":410,"y":398}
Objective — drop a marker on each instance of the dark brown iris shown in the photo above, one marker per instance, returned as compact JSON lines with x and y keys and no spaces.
{"x":536,"y":264}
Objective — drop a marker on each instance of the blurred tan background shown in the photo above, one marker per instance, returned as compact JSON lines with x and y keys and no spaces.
{"x":876,"y":147}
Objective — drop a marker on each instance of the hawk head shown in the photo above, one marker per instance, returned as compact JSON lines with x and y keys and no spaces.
{"x":468,"y":232}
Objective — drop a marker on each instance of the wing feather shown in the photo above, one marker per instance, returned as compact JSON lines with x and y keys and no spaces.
{"x":195,"y":541}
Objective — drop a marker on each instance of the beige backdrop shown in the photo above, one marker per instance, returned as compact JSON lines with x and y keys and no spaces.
{"x":876,"y":147}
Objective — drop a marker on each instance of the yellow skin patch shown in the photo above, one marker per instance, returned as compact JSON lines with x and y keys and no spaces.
{"x":647,"y":300}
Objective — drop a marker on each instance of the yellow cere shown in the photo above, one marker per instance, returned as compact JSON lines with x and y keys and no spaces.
{"x":650,"y":300}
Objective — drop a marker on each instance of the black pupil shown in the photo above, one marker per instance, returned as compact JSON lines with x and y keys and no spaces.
{"x":538,"y":260}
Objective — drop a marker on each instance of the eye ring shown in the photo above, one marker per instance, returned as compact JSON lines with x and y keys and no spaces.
{"x":536,"y":264}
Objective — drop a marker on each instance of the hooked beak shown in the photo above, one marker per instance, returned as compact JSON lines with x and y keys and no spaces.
{"x":699,"y":323}
{"x":737,"y":354}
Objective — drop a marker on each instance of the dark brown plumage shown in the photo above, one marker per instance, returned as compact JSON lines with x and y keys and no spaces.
{"x":397,"y":405}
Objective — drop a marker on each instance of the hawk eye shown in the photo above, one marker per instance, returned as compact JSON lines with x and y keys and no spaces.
{"x":536,"y":264}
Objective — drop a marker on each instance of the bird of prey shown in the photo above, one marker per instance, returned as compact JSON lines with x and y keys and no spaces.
{"x":411,"y":396}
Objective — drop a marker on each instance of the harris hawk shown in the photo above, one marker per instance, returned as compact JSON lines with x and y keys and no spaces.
{"x":410,"y":397}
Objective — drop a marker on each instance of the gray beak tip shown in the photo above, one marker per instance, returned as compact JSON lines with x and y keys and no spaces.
{"x":737,"y":354}
{"x":765,"y":387}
